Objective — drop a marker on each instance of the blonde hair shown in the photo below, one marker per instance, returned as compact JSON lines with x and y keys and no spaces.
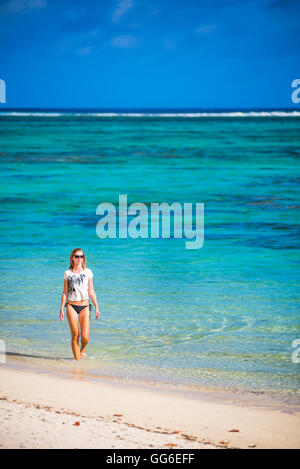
{"x":72,"y":260}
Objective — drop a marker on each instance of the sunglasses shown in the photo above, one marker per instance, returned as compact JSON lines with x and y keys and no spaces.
{"x":79,"y":257}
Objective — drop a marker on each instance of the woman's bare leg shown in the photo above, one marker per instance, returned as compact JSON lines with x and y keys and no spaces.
{"x":74,"y":328}
{"x":84,"y":319}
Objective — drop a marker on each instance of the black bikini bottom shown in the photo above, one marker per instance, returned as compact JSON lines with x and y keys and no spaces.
{"x":78,"y":308}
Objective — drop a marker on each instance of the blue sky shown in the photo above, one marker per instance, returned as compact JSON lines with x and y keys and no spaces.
{"x":149,"y":54}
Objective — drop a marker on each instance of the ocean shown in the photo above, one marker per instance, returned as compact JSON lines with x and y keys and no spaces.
{"x":224,"y":316}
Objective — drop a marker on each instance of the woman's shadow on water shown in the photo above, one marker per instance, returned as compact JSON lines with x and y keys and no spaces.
{"x":43,"y":357}
{"x":77,"y":370}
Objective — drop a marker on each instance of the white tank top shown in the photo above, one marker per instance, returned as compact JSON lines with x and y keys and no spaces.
{"x":78,"y":284}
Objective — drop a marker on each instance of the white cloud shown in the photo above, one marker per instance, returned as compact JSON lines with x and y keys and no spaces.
{"x":17,"y":6}
{"x":94,"y":32}
{"x":206,"y":29}
{"x":123,"y":42}
{"x":154,"y":10}
{"x":134,"y":25}
{"x":169,"y":43}
{"x":88,"y":50}
{"x":122,"y":8}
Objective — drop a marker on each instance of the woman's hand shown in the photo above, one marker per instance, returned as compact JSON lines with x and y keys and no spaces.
{"x":97,"y":313}
{"x":61,"y":316}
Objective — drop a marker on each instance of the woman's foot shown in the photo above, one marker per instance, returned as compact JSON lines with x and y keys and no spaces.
{"x":82,"y":354}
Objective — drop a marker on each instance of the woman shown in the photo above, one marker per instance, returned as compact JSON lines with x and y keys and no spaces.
{"x":78,"y":287}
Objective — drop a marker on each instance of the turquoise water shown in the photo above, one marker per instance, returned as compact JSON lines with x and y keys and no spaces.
{"x":224,"y":315}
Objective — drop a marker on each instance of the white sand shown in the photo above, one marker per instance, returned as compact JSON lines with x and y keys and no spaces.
{"x":26,"y":426}
{"x":39,"y":411}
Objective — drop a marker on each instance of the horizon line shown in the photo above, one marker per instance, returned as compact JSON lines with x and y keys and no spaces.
{"x":139,"y":109}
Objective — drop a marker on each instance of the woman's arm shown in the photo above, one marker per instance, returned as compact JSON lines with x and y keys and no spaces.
{"x":63,"y":300}
{"x":93,"y":297}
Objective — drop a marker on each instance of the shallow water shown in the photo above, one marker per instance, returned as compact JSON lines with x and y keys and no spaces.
{"x":223,"y":315}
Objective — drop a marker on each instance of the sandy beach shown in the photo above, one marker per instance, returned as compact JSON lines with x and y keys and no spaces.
{"x":40,"y":410}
